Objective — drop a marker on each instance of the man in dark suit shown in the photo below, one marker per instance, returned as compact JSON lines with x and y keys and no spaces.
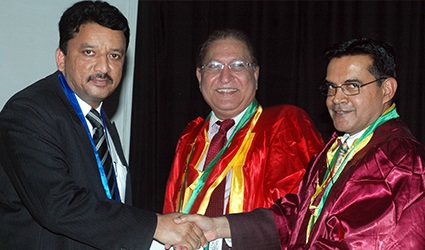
{"x":64,"y":180}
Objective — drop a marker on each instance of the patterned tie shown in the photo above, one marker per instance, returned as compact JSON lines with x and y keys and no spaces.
{"x":317,"y":197}
{"x":99,"y":139}
{"x":216,"y":204}
{"x":343,"y":148}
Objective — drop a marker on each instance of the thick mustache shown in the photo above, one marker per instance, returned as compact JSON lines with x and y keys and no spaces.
{"x":100,"y":76}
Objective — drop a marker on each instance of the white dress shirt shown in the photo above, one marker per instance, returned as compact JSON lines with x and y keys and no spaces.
{"x":120,"y":169}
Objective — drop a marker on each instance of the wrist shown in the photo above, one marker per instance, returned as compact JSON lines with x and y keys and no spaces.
{"x":222,"y":227}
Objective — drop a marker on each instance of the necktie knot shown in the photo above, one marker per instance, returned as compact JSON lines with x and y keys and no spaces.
{"x":94,"y":118}
{"x":225,"y":125}
{"x":343,"y":148}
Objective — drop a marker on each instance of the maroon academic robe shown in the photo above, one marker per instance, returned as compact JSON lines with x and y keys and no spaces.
{"x":378,"y":201}
{"x":283,"y":141}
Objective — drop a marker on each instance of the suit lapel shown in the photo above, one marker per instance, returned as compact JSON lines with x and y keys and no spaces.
{"x":113,"y":132}
{"x":80,"y":130}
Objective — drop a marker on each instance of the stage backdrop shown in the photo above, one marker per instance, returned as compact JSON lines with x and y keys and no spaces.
{"x":289,"y":36}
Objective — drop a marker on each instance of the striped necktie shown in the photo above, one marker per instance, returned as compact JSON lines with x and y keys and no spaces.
{"x":99,"y":138}
{"x":342,"y":151}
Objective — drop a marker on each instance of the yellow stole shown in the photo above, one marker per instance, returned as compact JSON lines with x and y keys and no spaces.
{"x":236,"y":164}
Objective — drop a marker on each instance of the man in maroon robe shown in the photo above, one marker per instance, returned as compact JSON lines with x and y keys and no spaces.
{"x":367,"y":196}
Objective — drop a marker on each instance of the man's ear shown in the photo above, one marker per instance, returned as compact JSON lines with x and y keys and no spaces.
{"x":199,"y":76}
{"x":256,"y":75}
{"x":60,"y":59}
{"x":389,"y":87}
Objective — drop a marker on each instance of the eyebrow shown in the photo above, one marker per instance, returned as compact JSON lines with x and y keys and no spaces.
{"x":87,"y":45}
{"x":346,"y":81}
{"x":91,"y":46}
{"x":119,"y":50}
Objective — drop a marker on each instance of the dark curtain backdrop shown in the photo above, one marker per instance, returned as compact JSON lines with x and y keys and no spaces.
{"x":289,"y":36}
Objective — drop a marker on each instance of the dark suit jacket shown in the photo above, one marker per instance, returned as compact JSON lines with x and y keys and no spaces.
{"x":51,"y":196}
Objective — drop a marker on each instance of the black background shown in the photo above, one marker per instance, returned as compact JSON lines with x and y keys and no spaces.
{"x":289,"y":36}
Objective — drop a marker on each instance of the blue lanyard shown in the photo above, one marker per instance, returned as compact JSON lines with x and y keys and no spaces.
{"x":71,"y":97}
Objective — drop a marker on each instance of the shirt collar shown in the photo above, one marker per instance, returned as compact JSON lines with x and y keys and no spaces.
{"x":85,"y":108}
{"x":351,"y":138}
{"x":214,"y":118}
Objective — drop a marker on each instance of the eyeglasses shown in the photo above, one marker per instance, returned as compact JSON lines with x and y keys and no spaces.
{"x":215,"y":67}
{"x":349,"y":87}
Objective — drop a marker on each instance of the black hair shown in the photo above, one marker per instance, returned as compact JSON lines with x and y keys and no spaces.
{"x":381,"y":53}
{"x":85,"y":12}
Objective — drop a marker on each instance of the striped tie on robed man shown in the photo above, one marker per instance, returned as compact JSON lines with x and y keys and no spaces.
{"x":99,"y":138}
{"x":342,"y":151}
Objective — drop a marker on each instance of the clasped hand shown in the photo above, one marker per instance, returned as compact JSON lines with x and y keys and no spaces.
{"x":190,"y":231}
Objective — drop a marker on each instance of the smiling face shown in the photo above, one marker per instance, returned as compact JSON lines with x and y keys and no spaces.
{"x":94,"y":62}
{"x":352,"y":114}
{"x":228,"y":93}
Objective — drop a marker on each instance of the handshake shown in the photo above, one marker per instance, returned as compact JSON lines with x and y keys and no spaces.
{"x":190,"y":231}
